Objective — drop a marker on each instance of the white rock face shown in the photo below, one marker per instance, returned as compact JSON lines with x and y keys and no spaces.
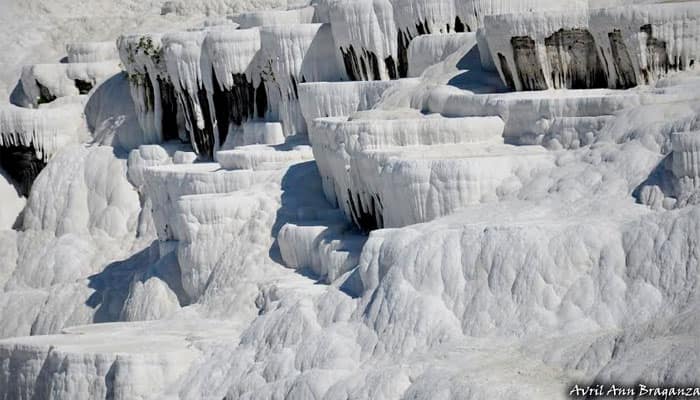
{"x":294,"y":54}
{"x":275,"y":17}
{"x":337,"y":99}
{"x":426,"y":50}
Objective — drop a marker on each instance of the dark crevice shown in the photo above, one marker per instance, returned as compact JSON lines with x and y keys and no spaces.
{"x":168,"y":103}
{"x":22,"y":165}
{"x":45,"y":95}
{"x":402,"y":56}
{"x":84,"y":87}
{"x":363,"y":65}
{"x":391,"y":67}
{"x":149,"y":92}
{"x":293,"y":79}
{"x":367,"y":221}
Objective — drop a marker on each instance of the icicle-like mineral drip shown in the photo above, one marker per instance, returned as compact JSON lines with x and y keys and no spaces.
{"x":365,"y":33}
{"x":30,"y":137}
{"x":641,"y":44}
{"x":293,"y":54}
{"x":182,"y":52}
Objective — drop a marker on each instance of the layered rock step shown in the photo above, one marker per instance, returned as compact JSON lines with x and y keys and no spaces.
{"x":263,"y":156}
{"x":336,"y":99}
{"x":165,"y":185}
{"x":531,"y":117}
{"x":427,"y":50}
{"x":391,"y":170}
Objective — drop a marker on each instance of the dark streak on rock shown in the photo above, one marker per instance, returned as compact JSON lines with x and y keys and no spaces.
{"x":168,"y":103}
{"x":403,"y":42}
{"x":365,"y":65}
{"x":624,"y":69}
{"x":507,"y":74}
{"x":574,"y":60}
{"x":526,"y":62}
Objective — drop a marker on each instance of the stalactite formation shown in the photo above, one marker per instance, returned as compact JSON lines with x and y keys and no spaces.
{"x":656,"y":56}
{"x":21,"y":163}
{"x":460,"y":26}
{"x":368,"y":220}
{"x":365,"y":66}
